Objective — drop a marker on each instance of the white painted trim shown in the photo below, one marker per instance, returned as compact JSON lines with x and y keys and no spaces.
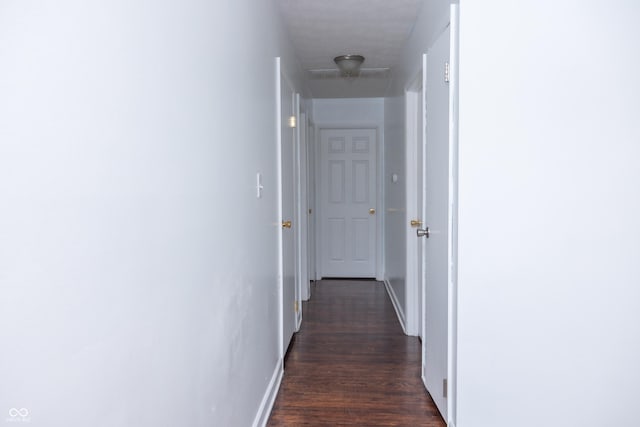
{"x":279,"y":191}
{"x":269,"y":397}
{"x":412,"y":98}
{"x":303,"y":205}
{"x":296,"y":262}
{"x":379,"y":272}
{"x":380,"y":208}
{"x":396,"y":304}
{"x":299,"y":206}
{"x":316,"y":202}
{"x":452,"y":334}
{"x":423,"y":209}
{"x":311,"y":188}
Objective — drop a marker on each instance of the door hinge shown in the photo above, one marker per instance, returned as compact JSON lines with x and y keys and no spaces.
{"x":295,"y":306}
{"x":444,"y":388}
{"x":447,"y":72}
{"x":292,"y":121}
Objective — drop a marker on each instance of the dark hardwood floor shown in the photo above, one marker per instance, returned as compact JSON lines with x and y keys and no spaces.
{"x":351,"y":364}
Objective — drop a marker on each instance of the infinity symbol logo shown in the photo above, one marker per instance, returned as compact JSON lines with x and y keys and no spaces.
{"x":15,"y":412}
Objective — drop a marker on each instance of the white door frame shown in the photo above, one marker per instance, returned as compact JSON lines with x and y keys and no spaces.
{"x":452,"y":362}
{"x":414,"y":96}
{"x":300,"y":209}
{"x":312,"y":213}
{"x":280,"y":75}
{"x":379,"y":271}
{"x":278,"y":118}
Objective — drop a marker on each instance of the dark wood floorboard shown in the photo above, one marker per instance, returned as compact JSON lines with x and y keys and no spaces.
{"x":351,"y":364}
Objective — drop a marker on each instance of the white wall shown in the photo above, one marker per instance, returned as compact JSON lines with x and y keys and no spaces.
{"x":354,"y":113}
{"x":430,"y":23}
{"x":348,"y":111}
{"x":549,"y":236}
{"x":138,"y":271}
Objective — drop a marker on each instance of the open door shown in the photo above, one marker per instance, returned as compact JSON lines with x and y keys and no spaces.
{"x":312,"y":211}
{"x":436,"y":222}
{"x":301,"y":207}
{"x":287,"y":137}
{"x":439,"y":231}
{"x":415,"y":201}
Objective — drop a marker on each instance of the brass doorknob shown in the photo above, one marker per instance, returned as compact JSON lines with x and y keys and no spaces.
{"x":416,"y":223}
{"x":372,"y":211}
{"x":286,"y":224}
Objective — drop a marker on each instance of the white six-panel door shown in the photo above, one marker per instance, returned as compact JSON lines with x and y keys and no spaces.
{"x":347,"y":202}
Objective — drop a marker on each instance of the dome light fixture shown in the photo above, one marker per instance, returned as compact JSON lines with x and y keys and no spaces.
{"x":349,"y":65}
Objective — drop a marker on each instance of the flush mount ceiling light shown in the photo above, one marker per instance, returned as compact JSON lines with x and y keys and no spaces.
{"x":349,"y":65}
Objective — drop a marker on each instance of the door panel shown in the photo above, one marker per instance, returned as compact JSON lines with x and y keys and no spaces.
{"x":311,"y":230}
{"x":288,"y":188}
{"x":361,"y":244}
{"x":360,"y":181}
{"x":436,"y":249}
{"x":302,"y":211}
{"x":337,"y":243}
{"x":337,"y":183}
{"x":347,"y":201}
{"x":420,"y":204}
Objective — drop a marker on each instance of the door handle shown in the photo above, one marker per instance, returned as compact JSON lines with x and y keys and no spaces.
{"x":286,"y":224}
{"x":416,"y":223}
{"x":423,"y":232}
{"x":372,"y":211}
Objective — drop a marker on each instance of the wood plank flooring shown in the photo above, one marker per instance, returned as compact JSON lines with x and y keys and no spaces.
{"x":351,"y":364}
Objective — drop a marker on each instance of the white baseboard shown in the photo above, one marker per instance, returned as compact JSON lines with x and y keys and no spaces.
{"x":396,"y":305}
{"x":269,"y":397}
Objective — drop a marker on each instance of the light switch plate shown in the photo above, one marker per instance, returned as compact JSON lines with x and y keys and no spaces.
{"x":259,"y":186}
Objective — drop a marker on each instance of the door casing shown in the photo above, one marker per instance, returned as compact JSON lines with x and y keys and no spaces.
{"x":287,"y":207}
{"x":415,"y":159}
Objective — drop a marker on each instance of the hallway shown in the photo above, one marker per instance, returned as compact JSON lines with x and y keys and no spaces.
{"x":351,"y":364}
{"x":165,"y":170}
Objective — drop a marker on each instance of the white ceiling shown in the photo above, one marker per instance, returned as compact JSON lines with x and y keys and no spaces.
{"x":323,"y":29}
